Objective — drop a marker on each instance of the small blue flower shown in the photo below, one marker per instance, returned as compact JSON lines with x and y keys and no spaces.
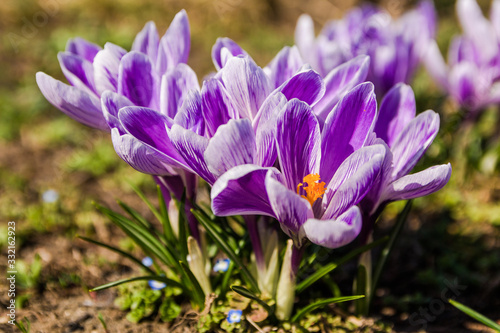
{"x":50,"y":196}
{"x":222,"y":265}
{"x":234,"y":316}
{"x":147,"y":261}
{"x":156,"y":285}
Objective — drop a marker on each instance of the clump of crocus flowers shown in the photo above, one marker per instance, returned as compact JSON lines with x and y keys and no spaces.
{"x":299,"y":144}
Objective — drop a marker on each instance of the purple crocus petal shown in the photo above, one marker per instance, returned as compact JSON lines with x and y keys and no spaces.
{"x":337,"y":232}
{"x":464,"y":84}
{"x":147,"y":41}
{"x":242,"y":191}
{"x":247,"y":84}
{"x":77,"y":104}
{"x":477,"y":28}
{"x":174,"y":86}
{"x":265,"y":129}
{"x":284,"y":65}
{"x":413,"y":141}
{"x":106,"y":68}
{"x":339,"y":81}
{"x":78,"y":71}
{"x":175,"y":44}
{"x":396,"y":111}
{"x":217,"y":105}
{"x":298,"y":142}
{"x":418,"y":184}
{"x":353,"y":179}
{"x":435,"y":64}
{"x":290,"y":209}
{"x":150,"y":127}
{"x":347,"y":128}
{"x":190,"y":114}
{"x":111,"y":103}
{"x":135,"y":79}
{"x":233,"y":144}
{"x":138,"y":155}
{"x":83,"y":48}
{"x":307,"y":86}
{"x":495,"y":16}
{"x":304,"y":38}
{"x":427,"y":12}
{"x":228,"y":44}
{"x":191,"y":147}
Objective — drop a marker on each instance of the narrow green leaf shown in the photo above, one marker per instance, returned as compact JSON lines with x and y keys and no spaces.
{"x":388,"y":248}
{"x":147,"y":202}
{"x":134,"y":214}
{"x":476,"y":315}
{"x":224,"y":286}
{"x":139,"y":278}
{"x":248,"y":294}
{"x":224,"y":246}
{"x":183,"y":226}
{"x":331,"y":266}
{"x":168,"y":232}
{"x":122,"y":253}
{"x":305,"y":310}
{"x":198,"y":291}
{"x":143,"y":238}
{"x":361,"y":277}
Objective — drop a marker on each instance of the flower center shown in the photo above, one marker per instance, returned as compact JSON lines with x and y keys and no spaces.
{"x":314,"y":189}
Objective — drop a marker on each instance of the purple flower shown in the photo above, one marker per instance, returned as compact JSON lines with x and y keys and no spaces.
{"x":136,"y":75}
{"x":323,"y":175}
{"x":472,"y":74}
{"x":406,"y":138}
{"x":395,"y":47}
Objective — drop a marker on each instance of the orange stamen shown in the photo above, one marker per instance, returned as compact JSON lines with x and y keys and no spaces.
{"x":314,"y":188}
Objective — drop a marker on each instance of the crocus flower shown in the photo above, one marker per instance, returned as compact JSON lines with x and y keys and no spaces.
{"x":472,"y":75}
{"x":406,"y":137}
{"x":135,"y":75}
{"x":338,"y":80}
{"x":323,"y":175}
{"x":394,"y":46}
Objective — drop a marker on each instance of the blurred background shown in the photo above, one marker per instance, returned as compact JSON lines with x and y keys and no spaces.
{"x":52,"y":168}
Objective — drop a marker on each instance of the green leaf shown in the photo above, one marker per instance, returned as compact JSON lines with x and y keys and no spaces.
{"x":476,"y":315}
{"x":224,"y":285}
{"x":331,"y":266}
{"x":198,"y":291}
{"x":168,"y":232}
{"x":388,"y":248}
{"x":160,"y":278}
{"x":134,"y":214}
{"x":361,"y":277}
{"x":147,"y":202}
{"x":305,"y":310}
{"x":183,"y":225}
{"x":224,"y":246}
{"x":248,"y":294}
{"x":122,"y":253}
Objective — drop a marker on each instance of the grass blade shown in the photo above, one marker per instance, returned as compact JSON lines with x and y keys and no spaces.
{"x":305,"y":310}
{"x":304,"y":284}
{"x":224,"y":246}
{"x":134,"y":214}
{"x":139,"y":278}
{"x":122,"y":253}
{"x":248,"y":294}
{"x":147,"y":202}
{"x":388,"y":248}
{"x":361,"y":277}
{"x":476,"y":315}
{"x":198,"y":291}
{"x":168,"y":232}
